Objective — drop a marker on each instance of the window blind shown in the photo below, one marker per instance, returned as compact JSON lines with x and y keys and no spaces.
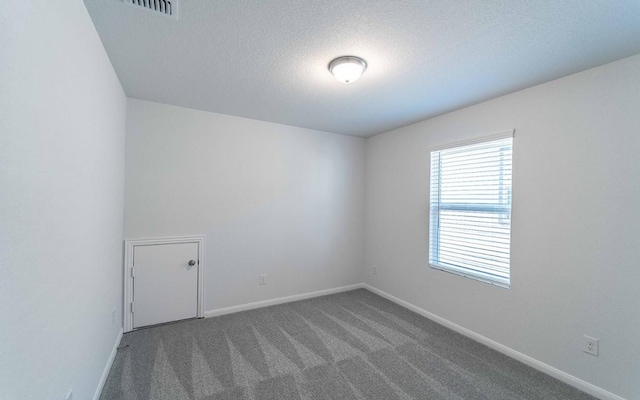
{"x":470,"y":209}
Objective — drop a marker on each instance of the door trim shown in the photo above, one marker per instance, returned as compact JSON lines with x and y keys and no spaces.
{"x":129,"y":246}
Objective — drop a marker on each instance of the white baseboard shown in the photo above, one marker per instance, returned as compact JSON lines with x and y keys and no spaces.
{"x":523,"y":358}
{"x":107,"y":368}
{"x":279,"y":300}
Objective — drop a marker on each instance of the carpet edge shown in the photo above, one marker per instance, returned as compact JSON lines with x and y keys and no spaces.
{"x":107,"y":367}
{"x":279,"y":300}
{"x":569,"y":379}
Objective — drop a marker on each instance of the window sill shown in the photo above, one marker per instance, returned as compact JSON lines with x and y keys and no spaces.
{"x":499,"y":282}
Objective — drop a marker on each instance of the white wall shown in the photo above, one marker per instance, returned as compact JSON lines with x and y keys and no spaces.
{"x":576,"y":226}
{"x":271,"y":199}
{"x":62,"y":127}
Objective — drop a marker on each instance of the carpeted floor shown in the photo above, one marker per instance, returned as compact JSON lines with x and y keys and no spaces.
{"x":352,"y":345}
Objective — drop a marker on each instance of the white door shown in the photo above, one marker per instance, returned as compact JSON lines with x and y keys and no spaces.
{"x":165,"y":283}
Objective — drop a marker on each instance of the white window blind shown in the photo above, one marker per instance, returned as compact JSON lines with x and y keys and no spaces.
{"x":470,"y":209}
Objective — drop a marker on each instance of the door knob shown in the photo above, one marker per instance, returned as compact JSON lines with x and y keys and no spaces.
{"x":192,"y":262}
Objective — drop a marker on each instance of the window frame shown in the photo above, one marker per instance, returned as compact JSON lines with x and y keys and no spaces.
{"x":434,"y":220}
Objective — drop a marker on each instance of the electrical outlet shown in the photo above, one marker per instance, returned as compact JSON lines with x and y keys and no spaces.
{"x":113,"y":317}
{"x":375,"y":270}
{"x":262,"y":279}
{"x":69,"y":395}
{"x":590,"y":345}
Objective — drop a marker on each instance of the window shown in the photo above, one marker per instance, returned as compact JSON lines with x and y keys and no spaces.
{"x":470,"y":209}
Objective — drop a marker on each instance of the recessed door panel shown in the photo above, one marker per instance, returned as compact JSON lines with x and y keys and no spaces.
{"x":165,"y":283}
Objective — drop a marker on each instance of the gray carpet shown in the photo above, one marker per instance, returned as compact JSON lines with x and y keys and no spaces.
{"x":352,"y":345}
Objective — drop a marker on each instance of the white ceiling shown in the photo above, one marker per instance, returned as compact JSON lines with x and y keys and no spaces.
{"x":267,"y":59}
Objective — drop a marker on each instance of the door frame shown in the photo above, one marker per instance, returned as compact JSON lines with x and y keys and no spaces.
{"x":129,"y":246}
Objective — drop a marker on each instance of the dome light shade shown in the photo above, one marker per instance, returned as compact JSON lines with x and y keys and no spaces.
{"x":347,"y":69}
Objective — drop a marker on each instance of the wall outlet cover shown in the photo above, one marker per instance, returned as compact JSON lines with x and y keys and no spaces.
{"x":590,"y":345}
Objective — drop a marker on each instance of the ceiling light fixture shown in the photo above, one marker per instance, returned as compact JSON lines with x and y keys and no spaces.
{"x":347,"y":69}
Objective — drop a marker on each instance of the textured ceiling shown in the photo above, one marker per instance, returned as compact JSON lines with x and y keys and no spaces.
{"x":268,"y":59}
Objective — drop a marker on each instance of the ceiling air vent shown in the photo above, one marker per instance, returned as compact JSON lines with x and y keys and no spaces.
{"x":168,"y":8}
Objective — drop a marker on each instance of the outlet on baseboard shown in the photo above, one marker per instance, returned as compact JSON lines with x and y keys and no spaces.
{"x":590,"y":345}
{"x":375,"y":270}
{"x":262,"y":279}
{"x":113,"y":317}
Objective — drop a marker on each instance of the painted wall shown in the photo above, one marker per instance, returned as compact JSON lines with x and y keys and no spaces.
{"x":271,"y":199}
{"x":576,"y":227}
{"x":62,"y":128}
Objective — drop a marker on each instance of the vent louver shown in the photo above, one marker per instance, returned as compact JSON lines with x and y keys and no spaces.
{"x":168,"y":8}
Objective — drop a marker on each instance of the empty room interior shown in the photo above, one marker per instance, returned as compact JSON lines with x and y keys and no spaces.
{"x":319,"y":200}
